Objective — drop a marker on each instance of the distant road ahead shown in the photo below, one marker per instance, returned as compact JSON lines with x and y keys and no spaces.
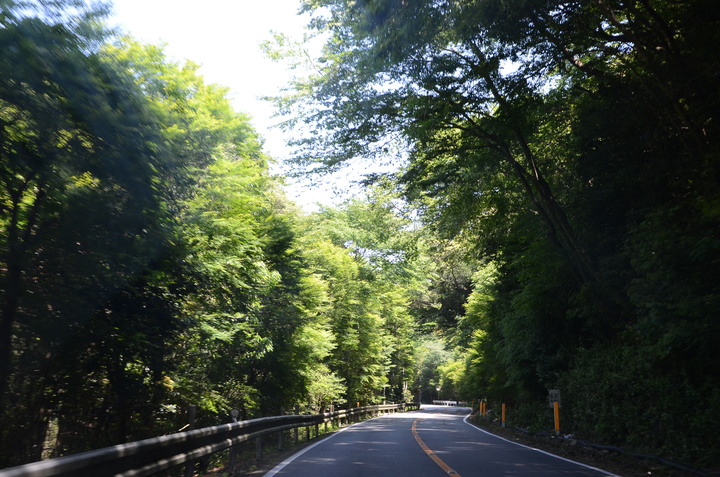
{"x":432,"y":442}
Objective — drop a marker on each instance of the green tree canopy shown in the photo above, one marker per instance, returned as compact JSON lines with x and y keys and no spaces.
{"x":572,"y":145}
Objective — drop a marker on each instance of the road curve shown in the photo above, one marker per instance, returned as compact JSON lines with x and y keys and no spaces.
{"x":433,"y":442}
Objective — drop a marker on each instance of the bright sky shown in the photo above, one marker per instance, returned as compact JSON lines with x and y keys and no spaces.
{"x":224,"y":37}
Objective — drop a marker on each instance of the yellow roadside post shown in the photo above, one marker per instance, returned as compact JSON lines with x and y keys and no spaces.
{"x":554,"y":401}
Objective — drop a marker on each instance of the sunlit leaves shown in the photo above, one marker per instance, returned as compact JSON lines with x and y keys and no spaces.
{"x":195,"y":117}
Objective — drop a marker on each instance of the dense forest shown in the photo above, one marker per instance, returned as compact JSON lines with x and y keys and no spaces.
{"x":552,"y":222}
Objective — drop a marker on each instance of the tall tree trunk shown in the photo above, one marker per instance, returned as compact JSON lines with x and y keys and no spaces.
{"x":537,"y":188}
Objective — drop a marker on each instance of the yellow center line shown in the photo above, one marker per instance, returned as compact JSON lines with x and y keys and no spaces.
{"x":446,"y":468}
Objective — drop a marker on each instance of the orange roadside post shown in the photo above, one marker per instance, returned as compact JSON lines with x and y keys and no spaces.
{"x":556,"y":408}
{"x":503,"y":415}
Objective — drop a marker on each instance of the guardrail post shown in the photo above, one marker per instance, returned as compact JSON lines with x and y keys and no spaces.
{"x":280,"y":433}
{"x":233,"y":450}
{"x":258,"y":448}
{"x":295,"y":430}
{"x":192,"y":411}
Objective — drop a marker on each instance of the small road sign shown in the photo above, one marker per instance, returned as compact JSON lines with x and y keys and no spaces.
{"x":553,"y":396}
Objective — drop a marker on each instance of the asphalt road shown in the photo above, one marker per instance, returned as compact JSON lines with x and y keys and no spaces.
{"x":433,"y":442}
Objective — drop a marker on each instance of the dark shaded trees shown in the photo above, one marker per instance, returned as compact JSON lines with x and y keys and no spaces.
{"x":102,"y":147}
{"x":84,"y":228}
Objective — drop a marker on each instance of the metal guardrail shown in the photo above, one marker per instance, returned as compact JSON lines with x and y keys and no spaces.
{"x":153,"y":455}
{"x":449,"y":403}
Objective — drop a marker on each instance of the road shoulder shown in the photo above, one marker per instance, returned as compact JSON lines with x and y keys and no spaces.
{"x":625,"y":466}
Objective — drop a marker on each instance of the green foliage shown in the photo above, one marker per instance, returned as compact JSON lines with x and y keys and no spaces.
{"x":82,"y":230}
{"x":194,"y":117}
{"x":431,"y":356}
{"x":225,"y":275}
{"x":137,"y":214}
{"x":558,"y":225}
{"x":574,"y":148}
{"x":603,"y":390}
{"x":364,"y":253}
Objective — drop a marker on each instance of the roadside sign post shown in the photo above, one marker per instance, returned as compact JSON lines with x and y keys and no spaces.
{"x":554,"y":401}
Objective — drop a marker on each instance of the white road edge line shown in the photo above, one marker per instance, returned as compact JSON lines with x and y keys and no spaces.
{"x":275,"y":470}
{"x":610,"y":474}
